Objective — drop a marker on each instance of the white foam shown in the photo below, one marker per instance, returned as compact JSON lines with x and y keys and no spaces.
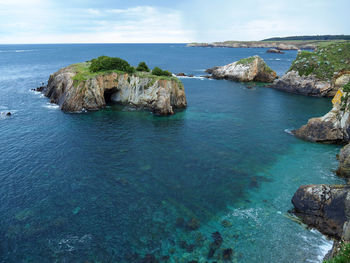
{"x":194,"y":77}
{"x":51,"y":106}
{"x":289,"y":131}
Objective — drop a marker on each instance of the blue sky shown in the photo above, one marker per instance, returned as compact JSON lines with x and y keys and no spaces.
{"x":154,"y":21}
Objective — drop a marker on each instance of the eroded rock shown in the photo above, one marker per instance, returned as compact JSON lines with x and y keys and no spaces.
{"x":245,"y":70}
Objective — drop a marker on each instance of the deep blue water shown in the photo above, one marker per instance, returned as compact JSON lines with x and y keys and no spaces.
{"x":116,"y":185}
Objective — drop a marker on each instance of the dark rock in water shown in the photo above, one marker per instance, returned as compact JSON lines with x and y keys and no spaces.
{"x":191,"y":76}
{"x":181,"y":74}
{"x":211,"y":70}
{"x":8,"y":114}
{"x":193,"y":224}
{"x":149,"y":258}
{"x":180,"y":222}
{"x":249,"y":87}
{"x":216,"y":244}
{"x":274,"y":50}
{"x":227,"y":253}
{"x":206,"y":76}
{"x":325,"y":207}
{"x":193,"y":261}
{"x":344,"y":161}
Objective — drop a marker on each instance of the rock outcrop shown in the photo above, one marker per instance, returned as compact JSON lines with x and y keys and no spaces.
{"x":344,"y":161}
{"x":306,"y":85}
{"x":334,"y":127}
{"x":324,"y":207}
{"x":245,"y":70}
{"x":74,"y":94}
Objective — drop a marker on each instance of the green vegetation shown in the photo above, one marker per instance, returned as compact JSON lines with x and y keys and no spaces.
{"x":159,"y":72}
{"x":324,"y":62}
{"x":104,"y":63}
{"x":346,"y":87}
{"x":143,"y":67}
{"x":84,"y":73}
{"x":245,"y":61}
{"x":342,"y":257}
{"x":308,"y":38}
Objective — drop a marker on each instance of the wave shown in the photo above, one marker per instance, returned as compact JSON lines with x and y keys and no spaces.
{"x":16,"y":50}
{"x":194,"y":77}
{"x":289,"y":131}
{"x":51,"y":106}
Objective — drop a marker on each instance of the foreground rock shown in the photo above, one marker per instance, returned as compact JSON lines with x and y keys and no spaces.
{"x":274,"y":50}
{"x":334,"y":127}
{"x":324,"y":207}
{"x":73,"y":93}
{"x":245,"y":70}
{"x":306,"y":85}
{"x":344,"y":161}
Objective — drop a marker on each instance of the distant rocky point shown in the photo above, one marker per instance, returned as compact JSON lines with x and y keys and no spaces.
{"x":245,"y":70}
{"x":77,"y":88}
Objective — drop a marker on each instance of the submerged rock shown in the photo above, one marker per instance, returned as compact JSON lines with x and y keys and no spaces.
{"x":74,"y":92}
{"x":325,"y":207}
{"x":8,"y":114}
{"x":245,"y":70}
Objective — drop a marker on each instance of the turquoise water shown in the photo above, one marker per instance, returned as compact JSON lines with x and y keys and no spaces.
{"x":119,"y":185}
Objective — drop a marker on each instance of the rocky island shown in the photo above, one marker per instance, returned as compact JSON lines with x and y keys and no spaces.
{"x":245,"y":70}
{"x":90,"y":85}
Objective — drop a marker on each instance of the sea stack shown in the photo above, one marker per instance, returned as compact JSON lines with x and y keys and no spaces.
{"x":75,"y":88}
{"x":245,"y":70}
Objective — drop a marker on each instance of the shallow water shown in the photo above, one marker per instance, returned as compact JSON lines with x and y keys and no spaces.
{"x":117,"y":184}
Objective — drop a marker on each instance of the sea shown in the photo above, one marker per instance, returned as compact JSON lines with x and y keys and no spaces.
{"x":212,"y":183}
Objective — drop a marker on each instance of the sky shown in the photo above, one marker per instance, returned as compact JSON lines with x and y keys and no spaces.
{"x":163,"y":21}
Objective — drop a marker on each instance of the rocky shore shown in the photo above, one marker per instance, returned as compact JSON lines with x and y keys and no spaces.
{"x":281,"y":45}
{"x":245,"y":70}
{"x":75,"y":89}
{"x":325,"y":73}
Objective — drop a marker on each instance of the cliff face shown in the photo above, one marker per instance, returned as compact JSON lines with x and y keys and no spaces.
{"x":245,"y":70}
{"x":305,"y":85}
{"x":324,"y":207}
{"x":317,"y":73}
{"x":73,"y":94}
{"x":334,"y":127}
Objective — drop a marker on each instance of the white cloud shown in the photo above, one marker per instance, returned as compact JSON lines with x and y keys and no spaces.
{"x":142,"y":24}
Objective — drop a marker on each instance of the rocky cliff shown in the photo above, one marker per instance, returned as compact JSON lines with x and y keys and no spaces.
{"x":316,"y":73}
{"x":334,"y":127}
{"x":245,"y":70}
{"x":74,"y":89}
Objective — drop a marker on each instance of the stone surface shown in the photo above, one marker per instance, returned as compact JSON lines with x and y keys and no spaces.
{"x":245,"y":70}
{"x":161,"y":96}
{"x":274,"y":50}
{"x":324,"y":207}
{"x":334,"y":127}
{"x":344,"y":161}
{"x":307,"y":85}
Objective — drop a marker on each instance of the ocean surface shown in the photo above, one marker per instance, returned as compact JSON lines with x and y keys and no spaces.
{"x":120,"y":185}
